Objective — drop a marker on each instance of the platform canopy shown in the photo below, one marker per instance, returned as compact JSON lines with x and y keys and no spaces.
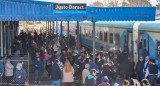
{"x":30,"y":10}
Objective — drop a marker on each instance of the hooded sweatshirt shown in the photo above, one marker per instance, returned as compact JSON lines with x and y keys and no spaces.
{"x":90,"y":80}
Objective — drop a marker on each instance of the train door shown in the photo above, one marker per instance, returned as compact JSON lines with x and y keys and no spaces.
{"x":145,"y":45}
{"x":130,"y":43}
{"x":158,"y":49}
{"x":140,"y":45}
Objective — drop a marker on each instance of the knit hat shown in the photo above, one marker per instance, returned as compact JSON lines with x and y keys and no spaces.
{"x":105,"y":79}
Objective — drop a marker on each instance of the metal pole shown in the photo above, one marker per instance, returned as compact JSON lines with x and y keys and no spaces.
{"x":53,"y":35}
{"x":50,"y":26}
{"x":68,"y":34}
{"x":93,"y":41}
{"x":46,"y":27}
{"x":53,"y":27}
{"x":28,"y":67}
{"x":78,"y":36}
{"x":61,"y":32}
{"x":1,"y":39}
{"x":56,"y":26}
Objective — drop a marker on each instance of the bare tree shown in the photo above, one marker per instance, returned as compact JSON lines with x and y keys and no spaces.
{"x":97,"y":4}
{"x":141,"y":3}
{"x":130,"y":4}
{"x":113,"y":4}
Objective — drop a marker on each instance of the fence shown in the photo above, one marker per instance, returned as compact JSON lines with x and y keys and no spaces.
{"x":6,"y":79}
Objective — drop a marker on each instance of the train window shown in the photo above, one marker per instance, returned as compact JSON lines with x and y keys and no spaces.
{"x":111,"y":37}
{"x":105,"y":36}
{"x":145,"y":49}
{"x":101,"y":36}
{"x":158,"y":49}
{"x":117,"y":40}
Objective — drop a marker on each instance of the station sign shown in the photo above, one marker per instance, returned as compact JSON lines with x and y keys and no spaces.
{"x":69,"y":8}
{"x":79,"y":7}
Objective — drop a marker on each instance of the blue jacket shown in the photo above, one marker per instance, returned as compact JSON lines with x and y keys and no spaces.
{"x":55,"y":72}
{"x":90,"y":80}
{"x":93,"y":66}
{"x":40,"y":66}
{"x":1,"y":67}
{"x":21,"y":73}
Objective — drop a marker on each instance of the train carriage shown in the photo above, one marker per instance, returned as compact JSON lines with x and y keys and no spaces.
{"x":138,"y":38}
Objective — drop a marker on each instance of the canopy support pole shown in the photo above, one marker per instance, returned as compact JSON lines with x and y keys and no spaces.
{"x":78,"y":36}
{"x":1,"y":38}
{"x":56,"y":27}
{"x":68,"y":34}
{"x":93,"y":41}
{"x":53,"y":27}
{"x":50,"y":27}
{"x":46,"y":27}
{"x":61,"y":32}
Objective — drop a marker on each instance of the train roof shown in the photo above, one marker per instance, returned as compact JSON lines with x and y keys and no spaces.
{"x":111,"y":24}
{"x":144,"y":25}
{"x":150,"y":26}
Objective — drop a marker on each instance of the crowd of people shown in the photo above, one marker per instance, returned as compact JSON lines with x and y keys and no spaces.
{"x":65,"y":64}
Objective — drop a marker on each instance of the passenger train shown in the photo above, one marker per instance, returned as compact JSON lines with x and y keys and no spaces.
{"x":135,"y":37}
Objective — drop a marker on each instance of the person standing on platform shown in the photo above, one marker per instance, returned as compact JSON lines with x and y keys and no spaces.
{"x":91,"y":78}
{"x":48,"y":62}
{"x":19,"y":75}
{"x":68,"y":73}
{"x":139,"y":69}
{"x":9,"y":71}
{"x":39,"y":70}
{"x":146,"y":64}
{"x":152,"y":72}
{"x":85,"y":73}
{"x":105,"y":82}
{"x":123,"y":64}
{"x":58,"y":57}
{"x":99,"y":61}
{"x":56,"y":74}
{"x":130,"y":68}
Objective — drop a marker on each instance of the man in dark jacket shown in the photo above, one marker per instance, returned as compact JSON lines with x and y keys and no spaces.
{"x":99,"y":62}
{"x":152,"y":72}
{"x":55,"y":74}
{"x":139,"y":69}
{"x":109,"y":71}
{"x":39,"y":70}
{"x":123,"y":64}
{"x":91,"y":78}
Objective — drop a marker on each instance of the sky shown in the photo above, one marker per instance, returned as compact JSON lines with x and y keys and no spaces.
{"x":153,"y":2}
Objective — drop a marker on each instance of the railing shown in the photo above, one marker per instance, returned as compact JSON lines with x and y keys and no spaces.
{"x":8,"y":80}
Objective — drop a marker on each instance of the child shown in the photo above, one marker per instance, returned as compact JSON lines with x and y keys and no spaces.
{"x":105,"y":82}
